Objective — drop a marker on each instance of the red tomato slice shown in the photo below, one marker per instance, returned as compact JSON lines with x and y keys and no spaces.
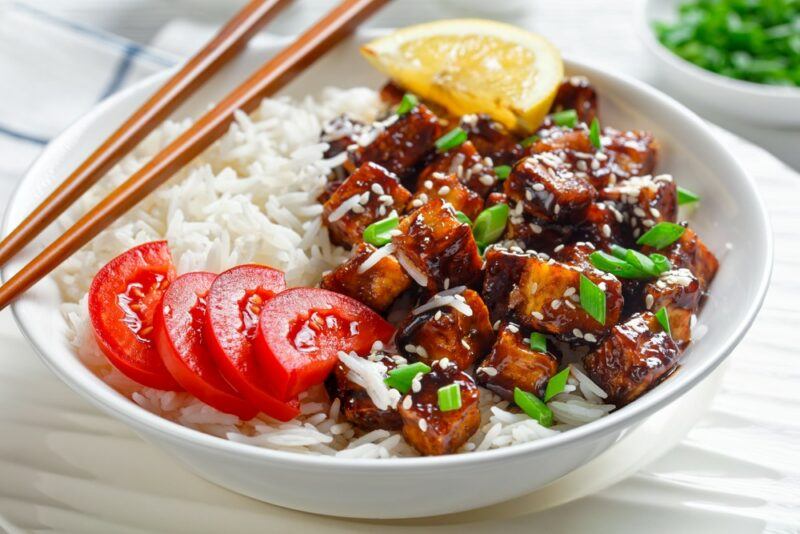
{"x":233,"y":305}
{"x":122,"y":300}
{"x":302,"y":330}
{"x":178,"y":326}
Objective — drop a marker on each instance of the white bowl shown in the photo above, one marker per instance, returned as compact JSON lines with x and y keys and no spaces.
{"x":754,"y":102}
{"x":731,"y":213}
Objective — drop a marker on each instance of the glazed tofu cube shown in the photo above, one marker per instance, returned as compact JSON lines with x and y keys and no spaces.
{"x":377,"y":285}
{"x":546,"y":298}
{"x":465,"y":163}
{"x":679,"y":292}
{"x":634,"y":153}
{"x":576,"y":93}
{"x":602,"y":226}
{"x":442,"y":328}
{"x":548,"y":190}
{"x":535,"y":234}
{"x":357,"y":407}
{"x":404,"y":144}
{"x":492,"y":139}
{"x":436,"y":249}
{"x":689,"y":252}
{"x":368,"y":195}
{"x":636,"y":355}
{"x":644,"y":201}
{"x":503,"y":269}
{"x":448,"y":188}
{"x":429,"y":429}
{"x":513,"y":363}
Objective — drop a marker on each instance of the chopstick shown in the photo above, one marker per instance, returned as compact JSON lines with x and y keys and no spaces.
{"x":268,"y":79}
{"x":228,"y":42}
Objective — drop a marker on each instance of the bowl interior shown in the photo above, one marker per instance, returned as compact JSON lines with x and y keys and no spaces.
{"x":731,"y":220}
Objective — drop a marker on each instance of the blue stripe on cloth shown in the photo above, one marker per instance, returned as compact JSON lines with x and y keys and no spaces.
{"x":99,"y":35}
{"x":23,"y":136}
{"x":123,"y":67}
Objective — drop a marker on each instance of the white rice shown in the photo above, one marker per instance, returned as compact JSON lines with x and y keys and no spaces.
{"x":251,"y":197}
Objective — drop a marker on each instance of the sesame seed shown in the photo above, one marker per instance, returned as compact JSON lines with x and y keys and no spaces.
{"x":428,"y":184}
{"x":465,"y":344}
{"x":555,"y":304}
{"x":569,"y":291}
{"x":648,"y":301}
{"x":639,"y":212}
{"x":528,"y":195}
{"x":648,"y":222}
{"x":496,"y":325}
{"x":358,"y":208}
{"x":534,"y":288}
{"x":486,"y":179}
{"x":423,"y":425}
{"x":410,"y":348}
{"x":606,"y":230}
{"x":437,"y":315}
{"x":569,"y":305}
{"x":537,"y":315}
{"x":559,"y":248}
{"x":535,"y":228}
{"x":655,"y":213}
{"x":602,"y":286}
{"x":490,"y":371}
{"x":421,"y":351}
{"x":556,"y":208}
{"x":416,"y":203}
{"x":538,"y":187}
{"x":407,"y":402}
{"x":513,"y":328}
{"x":444,"y":362}
{"x":577,"y":332}
{"x":590,"y":338}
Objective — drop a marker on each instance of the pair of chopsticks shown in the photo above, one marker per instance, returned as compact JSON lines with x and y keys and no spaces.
{"x":271,"y":77}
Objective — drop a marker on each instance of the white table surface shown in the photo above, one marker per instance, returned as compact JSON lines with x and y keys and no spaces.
{"x":737,"y":470}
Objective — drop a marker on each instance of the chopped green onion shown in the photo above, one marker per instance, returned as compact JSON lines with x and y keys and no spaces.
{"x":567,"y":118}
{"x":533,"y":407}
{"x":556,"y":384}
{"x":489,"y":225}
{"x":408,"y":103}
{"x":400,"y":378}
{"x":618,"y":251}
{"x":616,"y":266}
{"x":528,"y":141}
{"x":641,"y":262}
{"x":378,"y":233}
{"x":449,"y":397}
{"x":594,"y":134}
{"x":686,"y":197}
{"x":663,"y":318}
{"x":451,"y":139}
{"x":661,"y":235}
{"x":538,"y":342}
{"x":461,"y":216}
{"x":661,"y":262}
{"x":593,"y":300}
{"x":502,"y":171}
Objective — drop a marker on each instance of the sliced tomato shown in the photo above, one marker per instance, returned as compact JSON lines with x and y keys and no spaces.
{"x":122,"y":300}
{"x":302,"y":330}
{"x":178,"y":326}
{"x":233,"y":306}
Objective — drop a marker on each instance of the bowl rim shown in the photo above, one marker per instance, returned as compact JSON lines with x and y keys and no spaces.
{"x":123,"y":408}
{"x":646,"y":34}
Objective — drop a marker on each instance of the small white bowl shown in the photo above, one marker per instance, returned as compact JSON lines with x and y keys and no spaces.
{"x":754,"y":102}
{"x":732,"y":221}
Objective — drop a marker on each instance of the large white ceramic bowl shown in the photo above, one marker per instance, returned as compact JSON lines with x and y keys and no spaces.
{"x":758,"y":103}
{"x":732,"y":214}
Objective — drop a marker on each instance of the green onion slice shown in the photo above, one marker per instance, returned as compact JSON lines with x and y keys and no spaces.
{"x":528,"y":141}
{"x":400,"y":378}
{"x":556,"y":384}
{"x":461,"y":216}
{"x":593,"y":300}
{"x":661,"y":262}
{"x":663,"y":318}
{"x":538,"y":342}
{"x":641,"y":262}
{"x":489,"y":225}
{"x":686,"y":197}
{"x":594,"y":134}
{"x":451,"y":139}
{"x":661,"y":235}
{"x":567,"y":118}
{"x":408,"y":103}
{"x":533,"y":407}
{"x":449,"y":397}
{"x":502,"y":171}
{"x":618,"y":251}
{"x":378,"y":233}
{"x":616,"y":266}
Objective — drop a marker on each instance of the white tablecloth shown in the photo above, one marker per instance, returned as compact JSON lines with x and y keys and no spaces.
{"x":738,"y":470}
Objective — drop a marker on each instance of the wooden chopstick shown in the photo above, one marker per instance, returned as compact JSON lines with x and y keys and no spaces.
{"x":228,"y":42}
{"x":272,"y":76}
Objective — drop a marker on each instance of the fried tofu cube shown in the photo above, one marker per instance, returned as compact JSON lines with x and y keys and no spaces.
{"x":368,"y":195}
{"x":548,"y":190}
{"x":602,"y":226}
{"x":535,"y":234}
{"x":635,"y":153}
{"x":492,"y":139}
{"x":448,"y":188}
{"x":466,"y":164}
{"x":636,"y":355}
{"x":513,"y":363}
{"x":689,"y":252}
{"x":437,"y":330}
{"x":377,"y":285}
{"x":429,"y":429}
{"x":679,"y":292}
{"x":546,"y":298}
{"x":404,"y":144}
{"x":436,"y":249}
{"x":576,"y":93}
{"x":644,"y":201}
{"x":357,"y":406}
{"x":503,"y":269}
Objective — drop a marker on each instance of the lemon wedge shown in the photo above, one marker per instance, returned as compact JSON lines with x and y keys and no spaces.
{"x":473,"y":66}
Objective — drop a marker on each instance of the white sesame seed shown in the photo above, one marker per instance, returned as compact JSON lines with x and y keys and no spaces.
{"x":358,"y":208}
{"x":496,"y":325}
{"x":528,"y":195}
{"x":556,"y":208}
{"x":559,"y":248}
{"x":538,"y":187}
{"x":407,"y":402}
{"x":602,"y":286}
{"x":569,"y":291}
{"x":423,"y":425}
{"x":428,"y":184}
{"x":590,"y":338}
{"x":535,"y":228}
{"x":606,"y":230}
{"x":437,"y":315}
{"x":648,"y":301}
{"x":444,"y":362}
{"x":421,"y":351}
{"x":513,"y":328}
{"x":577,"y":332}
{"x":416,"y":203}
{"x":444,"y":190}
{"x":410,"y":348}
{"x":654,"y":212}
{"x":486,"y":179}
{"x":555,"y":304}
{"x":534,"y":288}
{"x":648,"y":223}
{"x":537,"y":315}
{"x":639,"y":212}
{"x":465,"y":344}
{"x":490,"y":371}
{"x":569,"y":305}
